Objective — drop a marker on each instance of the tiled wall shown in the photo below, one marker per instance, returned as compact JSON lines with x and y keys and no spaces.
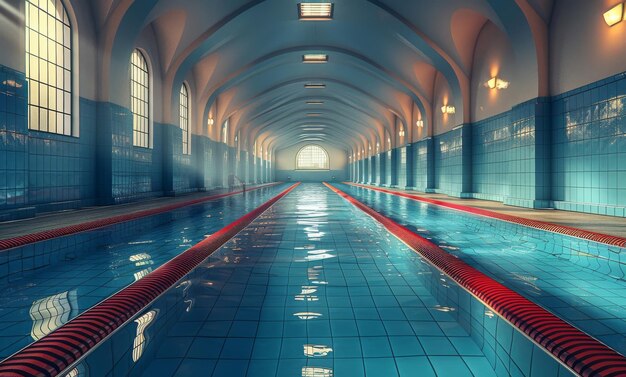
{"x":388,"y":164}
{"x":589,"y":148}
{"x":402,"y":163}
{"x":43,"y":171}
{"x":448,"y":153}
{"x":379,"y":169}
{"x":511,"y":156}
{"x":420,"y":165}
{"x":567,"y":152}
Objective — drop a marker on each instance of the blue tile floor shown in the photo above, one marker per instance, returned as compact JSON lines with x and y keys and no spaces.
{"x":550,"y":269}
{"x":42,"y":300}
{"x":314,"y":288}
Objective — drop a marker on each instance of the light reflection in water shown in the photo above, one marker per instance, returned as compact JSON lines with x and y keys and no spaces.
{"x":142,"y":324}
{"x":307,"y":315}
{"x":51,"y":312}
{"x":316,"y":372}
{"x":314,"y":350}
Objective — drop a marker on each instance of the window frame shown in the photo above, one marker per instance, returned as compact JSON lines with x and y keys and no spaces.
{"x":149,"y":102}
{"x":184,"y":117}
{"x":317,"y":147}
{"x":64,"y":88}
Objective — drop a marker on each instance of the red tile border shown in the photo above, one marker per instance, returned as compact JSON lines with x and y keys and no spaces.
{"x":550,"y":227}
{"x":579,"y":351}
{"x":55,"y":352}
{"x":9,"y":243}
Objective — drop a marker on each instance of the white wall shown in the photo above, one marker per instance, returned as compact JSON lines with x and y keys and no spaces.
{"x":583,"y":48}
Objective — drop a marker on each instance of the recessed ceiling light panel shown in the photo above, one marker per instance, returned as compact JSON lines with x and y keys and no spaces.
{"x":315,"y":11}
{"x":315,"y":58}
{"x":315,"y":86}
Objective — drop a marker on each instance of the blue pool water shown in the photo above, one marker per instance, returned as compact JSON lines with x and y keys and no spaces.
{"x":81,"y":270}
{"x":316,"y":288}
{"x":580,"y":281}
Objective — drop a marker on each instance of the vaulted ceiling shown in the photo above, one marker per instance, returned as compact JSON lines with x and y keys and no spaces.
{"x":243,"y":60}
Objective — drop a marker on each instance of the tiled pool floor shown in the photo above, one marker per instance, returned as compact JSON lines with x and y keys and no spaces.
{"x":315,"y":288}
{"x":44,"y":299}
{"x":528,"y":263}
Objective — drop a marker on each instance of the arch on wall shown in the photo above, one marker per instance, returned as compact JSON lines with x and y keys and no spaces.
{"x":312,"y":157}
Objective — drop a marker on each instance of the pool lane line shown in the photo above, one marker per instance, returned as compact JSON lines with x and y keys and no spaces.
{"x":537,"y":224}
{"x":9,"y":243}
{"x":575,"y":349}
{"x":55,"y":352}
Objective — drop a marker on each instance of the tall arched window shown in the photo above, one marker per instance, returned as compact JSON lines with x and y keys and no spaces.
{"x":140,"y":99}
{"x":225,"y":132}
{"x":312,"y":157}
{"x":49,"y":66}
{"x":184,"y":117}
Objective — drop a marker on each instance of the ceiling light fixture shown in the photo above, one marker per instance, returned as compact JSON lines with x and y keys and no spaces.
{"x":496,"y":83}
{"x":314,"y":114}
{"x":315,"y":86}
{"x":313,"y":129}
{"x":314,"y":58}
{"x":315,"y":11}
{"x":614,"y":15}
{"x":314,"y":102}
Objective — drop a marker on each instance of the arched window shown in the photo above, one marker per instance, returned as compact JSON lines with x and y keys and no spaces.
{"x":184,"y":117}
{"x":49,"y":66}
{"x":140,"y":99}
{"x":225,"y":132}
{"x":312,"y":157}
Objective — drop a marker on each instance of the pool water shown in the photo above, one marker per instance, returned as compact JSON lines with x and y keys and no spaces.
{"x":312,"y":288}
{"x":537,"y":264}
{"x":96,"y":264}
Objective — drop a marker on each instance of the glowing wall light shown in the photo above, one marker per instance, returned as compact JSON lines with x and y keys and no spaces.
{"x":614,"y":15}
{"x":445,"y":109}
{"x":401,"y":133}
{"x":420,"y":123}
{"x":211,"y":121}
{"x":496,"y":83}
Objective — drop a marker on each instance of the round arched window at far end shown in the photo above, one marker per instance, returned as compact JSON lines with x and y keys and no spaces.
{"x":312,"y":157}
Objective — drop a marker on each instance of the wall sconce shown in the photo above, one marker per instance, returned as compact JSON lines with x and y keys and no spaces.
{"x":496,"y":83}
{"x":420,"y":123}
{"x":389,"y":141}
{"x":614,"y":15}
{"x":448,"y":109}
{"x":401,"y":133}
{"x":211,"y":121}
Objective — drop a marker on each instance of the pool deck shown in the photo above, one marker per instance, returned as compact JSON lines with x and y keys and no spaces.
{"x":615,"y":226}
{"x":53,"y":220}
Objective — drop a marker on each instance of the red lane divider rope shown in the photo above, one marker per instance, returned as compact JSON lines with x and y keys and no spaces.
{"x":579,"y":351}
{"x":9,"y":243}
{"x":55,"y":352}
{"x":543,"y":225}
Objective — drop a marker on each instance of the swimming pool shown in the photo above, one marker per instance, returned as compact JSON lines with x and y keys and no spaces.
{"x":579,"y":280}
{"x":314,"y":287}
{"x":48,"y":283}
